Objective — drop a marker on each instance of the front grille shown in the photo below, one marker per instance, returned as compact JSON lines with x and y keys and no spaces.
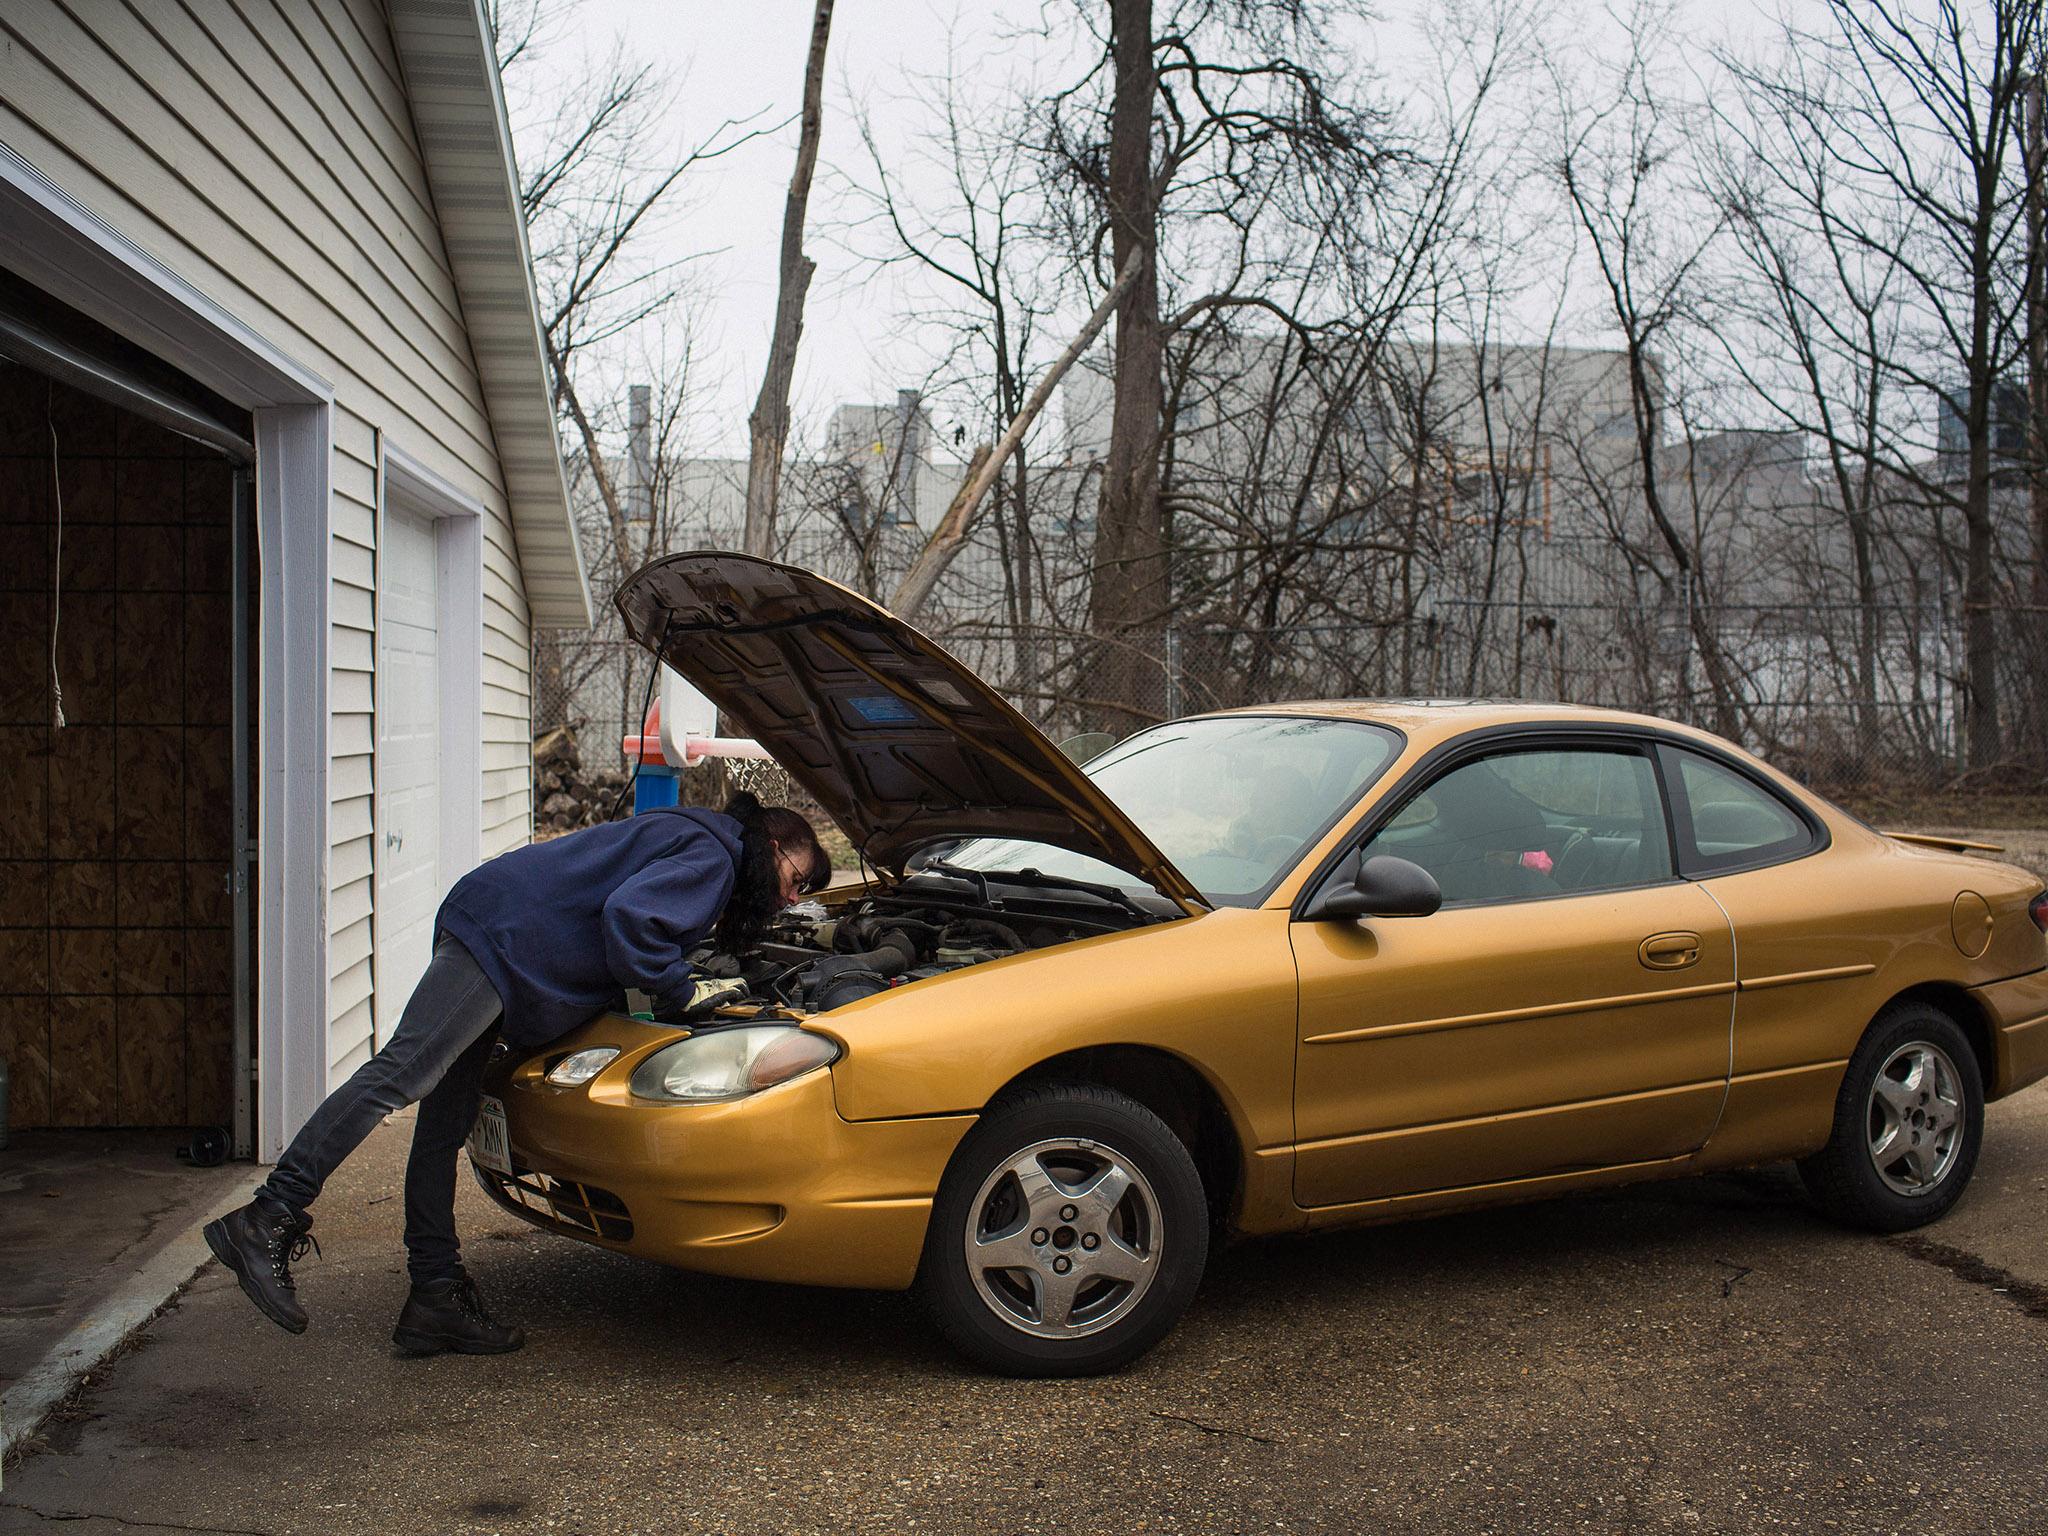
{"x":579,"y":1209}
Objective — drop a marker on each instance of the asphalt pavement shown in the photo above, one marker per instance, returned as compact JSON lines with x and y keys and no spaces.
{"x":1701,"y":1355}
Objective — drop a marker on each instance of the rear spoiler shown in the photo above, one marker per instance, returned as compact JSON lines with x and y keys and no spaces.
{"x":1951,"y":844}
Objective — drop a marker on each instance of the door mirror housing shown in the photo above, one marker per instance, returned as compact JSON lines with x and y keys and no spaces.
{"x":1381,"y":886}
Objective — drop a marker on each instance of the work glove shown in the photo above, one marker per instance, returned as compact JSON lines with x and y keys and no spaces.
{"x":703,"y":997}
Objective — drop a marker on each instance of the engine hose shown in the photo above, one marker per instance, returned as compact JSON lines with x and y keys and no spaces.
{"x":848,"y":986}
{"x":897,"y":952}
{"x":824,"y":976}
{"x":919,"y":935}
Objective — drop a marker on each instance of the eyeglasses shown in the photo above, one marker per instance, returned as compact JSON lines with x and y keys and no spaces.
{"x":809,"y":882}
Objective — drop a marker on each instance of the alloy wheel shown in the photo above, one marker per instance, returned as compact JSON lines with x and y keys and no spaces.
{"x":1915,"y":1119}
{"x":1064,"y":1239}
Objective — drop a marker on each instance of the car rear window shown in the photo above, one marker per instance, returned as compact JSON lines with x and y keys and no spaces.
{"x":1729,"y":821}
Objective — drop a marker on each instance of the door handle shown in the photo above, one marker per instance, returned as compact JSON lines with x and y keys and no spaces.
{"x":1669,"y":951}
{"x":396,"y":840}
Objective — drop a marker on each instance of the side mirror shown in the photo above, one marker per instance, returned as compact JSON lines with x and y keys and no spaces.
{"x":1382,"y":886}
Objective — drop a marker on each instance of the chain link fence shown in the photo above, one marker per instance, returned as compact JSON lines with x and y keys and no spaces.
{"x":1843,"y":698}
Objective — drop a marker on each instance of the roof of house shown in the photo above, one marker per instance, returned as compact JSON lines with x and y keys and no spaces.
{"x":465,"y":139}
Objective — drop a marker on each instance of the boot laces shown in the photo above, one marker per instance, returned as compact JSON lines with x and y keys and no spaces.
{"x":287,"y":1247}
{"x":471,"y":1300}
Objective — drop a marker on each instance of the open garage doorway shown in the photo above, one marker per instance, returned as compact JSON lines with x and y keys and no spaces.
{"x":126,"y":769}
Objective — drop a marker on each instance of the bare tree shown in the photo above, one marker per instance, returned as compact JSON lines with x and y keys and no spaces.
{"x":2037,"y":375}
{"x":974,"y":230}
{"x":1625,"y":183}
{"x":1914,"y":114}
{"x":598,"y":200}
{"x":1809,"y":318}
{"x":768,"y":426}
{"x":597,"y":203}
{"x":1221,"y":129}
{"x":953,"y":528}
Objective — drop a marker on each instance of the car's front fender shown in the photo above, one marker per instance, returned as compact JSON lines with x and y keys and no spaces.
{"x":1216,"y":990}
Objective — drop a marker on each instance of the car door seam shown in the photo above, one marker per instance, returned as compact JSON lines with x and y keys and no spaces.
{"x":1734,"y":994}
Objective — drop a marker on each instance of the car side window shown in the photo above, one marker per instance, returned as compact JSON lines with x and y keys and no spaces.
{"x":1727,"y":820}
{"x":1524,"y":824}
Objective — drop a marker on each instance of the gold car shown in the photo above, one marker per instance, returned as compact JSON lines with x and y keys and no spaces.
{"x":1280,"y":968}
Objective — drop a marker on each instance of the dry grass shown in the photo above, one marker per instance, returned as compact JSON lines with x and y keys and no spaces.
{"x":836,"y":843}
{"x":1926,"y":811}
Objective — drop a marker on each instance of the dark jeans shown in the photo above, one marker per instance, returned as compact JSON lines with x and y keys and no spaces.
{"x":435,"y":1058}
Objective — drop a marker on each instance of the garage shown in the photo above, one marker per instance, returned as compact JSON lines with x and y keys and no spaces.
{"x":270,"y":360}
{"x":124,"y":518}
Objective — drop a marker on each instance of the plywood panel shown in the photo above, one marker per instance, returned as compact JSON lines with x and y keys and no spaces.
{"x":25,"y":1046}
{"x":149,"y":1077}
{"x":116,"y":916}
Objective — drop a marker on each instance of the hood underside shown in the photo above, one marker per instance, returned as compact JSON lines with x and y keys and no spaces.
{"x":896,"y":740}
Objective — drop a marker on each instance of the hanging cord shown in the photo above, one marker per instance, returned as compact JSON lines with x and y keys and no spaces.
{"x":640,"y":758}
{"x":56,"y":573}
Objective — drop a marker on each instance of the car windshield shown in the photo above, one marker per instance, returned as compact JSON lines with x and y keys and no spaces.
{"x":1233,"y":800}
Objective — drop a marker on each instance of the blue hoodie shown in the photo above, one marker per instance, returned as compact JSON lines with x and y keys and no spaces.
{"x":562,"y":928}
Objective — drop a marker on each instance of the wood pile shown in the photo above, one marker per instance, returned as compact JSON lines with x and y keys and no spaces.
{"x":566,"y":794}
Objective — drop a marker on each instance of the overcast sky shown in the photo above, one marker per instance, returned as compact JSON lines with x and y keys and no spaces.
{"x":733,"y":58}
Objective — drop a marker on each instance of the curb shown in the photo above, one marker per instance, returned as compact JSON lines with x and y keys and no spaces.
{"x":29,"y":1399}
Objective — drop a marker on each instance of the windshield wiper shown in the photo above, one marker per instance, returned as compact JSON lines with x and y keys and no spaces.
{"x":1038,"y":880}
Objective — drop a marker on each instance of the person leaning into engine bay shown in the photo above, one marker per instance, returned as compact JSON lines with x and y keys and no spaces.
{"x":528,"y":946}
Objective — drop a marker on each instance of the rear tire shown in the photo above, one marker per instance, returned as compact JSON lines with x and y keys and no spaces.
{"x":1908,"y":1124}
{"x":1068,"y":1236}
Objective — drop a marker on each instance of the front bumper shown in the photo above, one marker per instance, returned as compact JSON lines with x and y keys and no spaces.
{"x":772,"y":1187}
{"x":2018,"y":1010}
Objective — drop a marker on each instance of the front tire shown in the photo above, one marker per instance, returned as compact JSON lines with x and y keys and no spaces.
{"x":1068,"y":1236}
{"x":1908,"y":1124}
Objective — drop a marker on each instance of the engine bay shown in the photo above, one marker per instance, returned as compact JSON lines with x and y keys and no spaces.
{"x":813,"y":958}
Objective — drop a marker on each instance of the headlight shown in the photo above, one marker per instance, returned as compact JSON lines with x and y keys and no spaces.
{"x":731,"y":1063}
{"x":581,"y":1067}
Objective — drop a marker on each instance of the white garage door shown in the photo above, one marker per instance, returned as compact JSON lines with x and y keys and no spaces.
{"x":408,"y":760}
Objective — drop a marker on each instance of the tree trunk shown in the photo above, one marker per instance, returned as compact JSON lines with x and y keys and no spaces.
{"x":1867,"y":731}
{"x":2037,"y":382}
{"x":1024,"y":583}
{"x":1980,"y":632}
{"x":1127,"y":596}
{"x":1698,"y":608}
{"x":768,"y":427}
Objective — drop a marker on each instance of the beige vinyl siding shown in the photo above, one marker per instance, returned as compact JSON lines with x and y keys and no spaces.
{"x":264,"y":150}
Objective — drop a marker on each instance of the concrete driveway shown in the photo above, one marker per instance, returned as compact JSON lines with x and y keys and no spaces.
{"x":1697,"y":1356}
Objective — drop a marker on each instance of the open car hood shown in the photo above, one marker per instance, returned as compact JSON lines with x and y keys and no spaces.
{"x":900,"y":743}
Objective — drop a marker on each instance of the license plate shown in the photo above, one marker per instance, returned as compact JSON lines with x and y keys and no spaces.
{"x":490,"y":1146}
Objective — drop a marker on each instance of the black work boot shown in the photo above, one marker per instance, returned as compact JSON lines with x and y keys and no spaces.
{"x":449,"y":1315}
{"x":259,"y":1244}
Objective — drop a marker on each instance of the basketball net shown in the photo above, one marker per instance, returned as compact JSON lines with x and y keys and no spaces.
{"x":762,"y":777}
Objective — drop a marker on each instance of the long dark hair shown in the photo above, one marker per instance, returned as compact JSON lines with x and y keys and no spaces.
{"x":757,"y":886}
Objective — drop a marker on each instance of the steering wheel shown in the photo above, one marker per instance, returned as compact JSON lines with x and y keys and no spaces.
{"x":1576,"y":840}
